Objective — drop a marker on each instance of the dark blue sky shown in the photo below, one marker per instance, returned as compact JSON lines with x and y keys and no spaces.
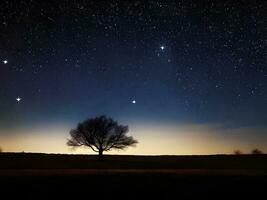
{"x":181,"y":61}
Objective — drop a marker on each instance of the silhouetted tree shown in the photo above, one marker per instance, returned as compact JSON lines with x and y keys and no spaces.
{"x":256,"y":151}
{"x":101,"y":134}
{"x":1,"y":150}
{"x":237,"y":152}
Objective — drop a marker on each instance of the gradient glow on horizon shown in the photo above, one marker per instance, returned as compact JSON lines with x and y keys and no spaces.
{"x":198,"y":139}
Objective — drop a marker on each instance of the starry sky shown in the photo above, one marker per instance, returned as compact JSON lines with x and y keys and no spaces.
{"x":188,"y":77}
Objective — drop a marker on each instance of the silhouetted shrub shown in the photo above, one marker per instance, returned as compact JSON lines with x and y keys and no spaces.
{"x":237,"y":152}
{"x":256,"y":151}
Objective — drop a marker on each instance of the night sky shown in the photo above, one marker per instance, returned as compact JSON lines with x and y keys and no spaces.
{"x":188,"y":77}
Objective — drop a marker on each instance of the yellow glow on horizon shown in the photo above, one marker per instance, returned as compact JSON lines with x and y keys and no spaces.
{"x":153,"y":140}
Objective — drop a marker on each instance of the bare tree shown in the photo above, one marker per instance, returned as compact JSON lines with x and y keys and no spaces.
{"x":101,"y":134}
{"x":256,"y":151}
{"x":237,"y":152}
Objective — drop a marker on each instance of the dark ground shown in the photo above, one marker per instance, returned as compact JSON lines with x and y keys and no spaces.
{"x":178,"y":177}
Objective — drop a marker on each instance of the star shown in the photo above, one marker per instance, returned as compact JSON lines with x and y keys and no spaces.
{"x":18,"y":99}
{"x":5,"y":62}
{"x":162,"y":47}
{"x":133,"y":102}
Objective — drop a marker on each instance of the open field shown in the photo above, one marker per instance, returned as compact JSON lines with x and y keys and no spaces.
{"x":183,"y":176}
{"x":63,"y":161}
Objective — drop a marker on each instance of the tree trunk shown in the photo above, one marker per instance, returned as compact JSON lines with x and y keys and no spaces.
{"x":100,"y":154}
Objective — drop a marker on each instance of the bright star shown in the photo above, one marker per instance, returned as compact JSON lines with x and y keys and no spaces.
{"x":5,"y":62}
{"x":18,"y":99}
{"x":162,"y":48}
{"x":133,"y":101}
